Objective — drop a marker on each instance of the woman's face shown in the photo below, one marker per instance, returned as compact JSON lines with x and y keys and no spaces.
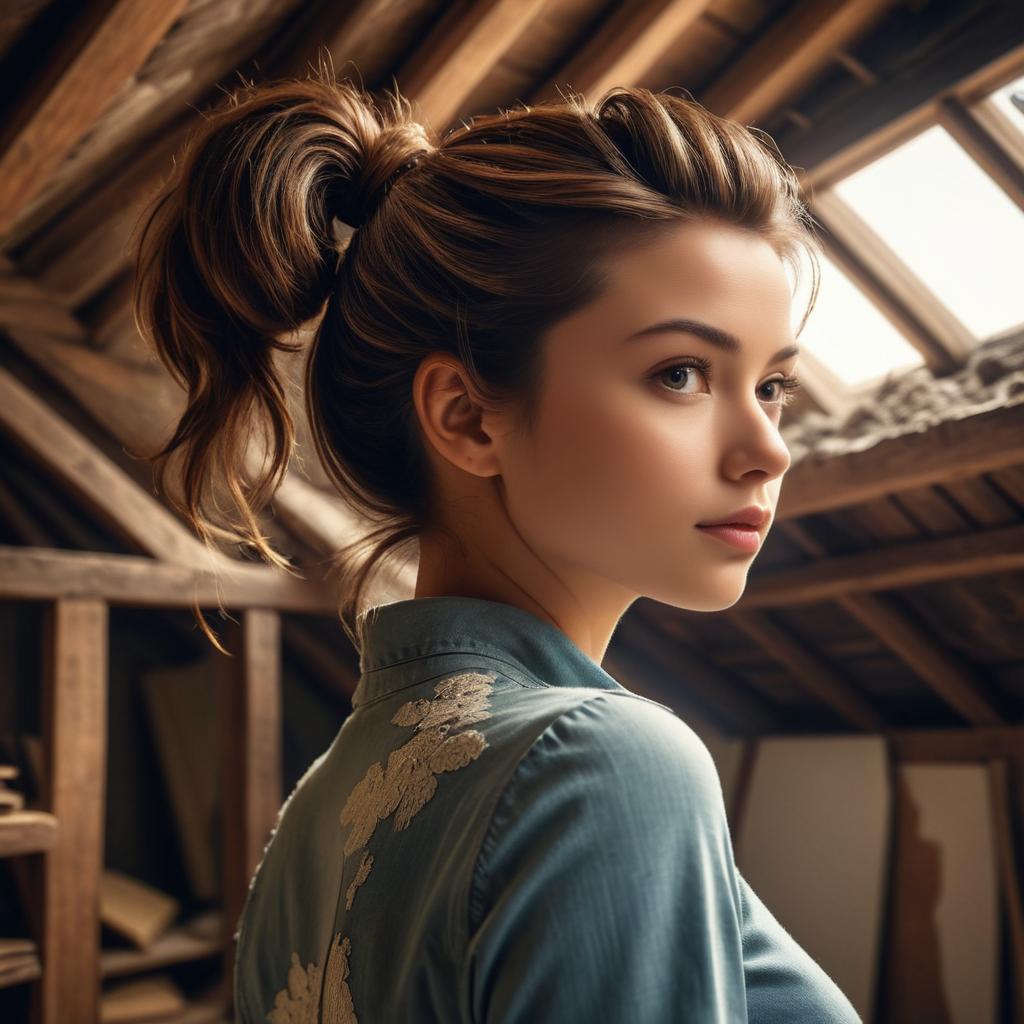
{"x":636,"y":443}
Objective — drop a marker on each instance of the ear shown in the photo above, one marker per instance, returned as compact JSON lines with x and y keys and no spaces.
{"x":452,"y":416}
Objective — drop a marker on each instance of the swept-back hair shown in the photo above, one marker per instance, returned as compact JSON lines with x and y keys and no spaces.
{"x":498,"y":230}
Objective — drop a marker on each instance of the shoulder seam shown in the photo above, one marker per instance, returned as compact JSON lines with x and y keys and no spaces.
{"x":474,"y":873}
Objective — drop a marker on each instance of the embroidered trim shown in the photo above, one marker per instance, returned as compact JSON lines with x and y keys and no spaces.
{"x":402,"y":789}
{"x":362,"y":873}
{"x":409,"y":780}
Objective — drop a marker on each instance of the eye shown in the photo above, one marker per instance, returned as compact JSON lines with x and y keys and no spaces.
{"x":786,"y":387}
{"x":678,"y":374}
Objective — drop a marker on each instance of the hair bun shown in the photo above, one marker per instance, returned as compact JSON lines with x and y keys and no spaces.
{"x":357,"y":204}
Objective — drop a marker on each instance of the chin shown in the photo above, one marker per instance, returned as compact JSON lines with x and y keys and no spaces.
{"x":716,"y":599}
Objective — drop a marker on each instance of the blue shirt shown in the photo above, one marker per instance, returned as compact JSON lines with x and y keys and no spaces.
{"x":501,"y":832}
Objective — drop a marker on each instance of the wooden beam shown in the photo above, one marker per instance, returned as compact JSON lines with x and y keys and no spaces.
{"x":811,"y":672}
{"x":249,"y":691}
{"x":939,"y":668}
{"x":133,"y":402}
{"x":25,"y":305}
{"x":138,"y":518}
{"x":40,"y":574}
{"x":75,"y":746}
{"x":790,"y":55}
{"x":624,"y":48}
{"x":677,"y":671}
{"x":986,"y":53}
{"x":889,"y":567}
{"x":457,"y":56}
{"x":954,"y":449}
{"x":983,"y":147}
{"x":891,"y":286}
{"x":946,"y":674}
{"x":56,"y":111}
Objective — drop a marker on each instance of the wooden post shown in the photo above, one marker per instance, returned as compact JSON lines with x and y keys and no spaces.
{"x":75,"y":747}
{"x":250,"y":725}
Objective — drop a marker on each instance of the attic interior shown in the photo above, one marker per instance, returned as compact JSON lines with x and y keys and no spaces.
{"x":868,"y":688}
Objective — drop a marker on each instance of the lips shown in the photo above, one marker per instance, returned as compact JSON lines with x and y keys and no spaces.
{"x":751,"y":517}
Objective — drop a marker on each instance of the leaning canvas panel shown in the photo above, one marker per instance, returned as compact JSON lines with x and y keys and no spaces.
{"x":943,"y":958}
{"x":813,"y":842}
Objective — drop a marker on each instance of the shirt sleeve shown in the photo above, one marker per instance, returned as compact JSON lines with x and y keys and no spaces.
{"x":605,"y":888}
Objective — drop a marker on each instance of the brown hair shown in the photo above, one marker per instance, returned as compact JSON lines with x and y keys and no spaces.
{"x":498,"y":231}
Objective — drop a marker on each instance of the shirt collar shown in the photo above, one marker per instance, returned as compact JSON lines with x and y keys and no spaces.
{"x":408,"y":640}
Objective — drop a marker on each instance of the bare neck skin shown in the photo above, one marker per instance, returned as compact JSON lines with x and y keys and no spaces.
{"x":632,"y":448}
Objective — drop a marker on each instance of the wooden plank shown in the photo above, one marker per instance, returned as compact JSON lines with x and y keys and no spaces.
{"x":26,"y":832}
{"x":813,"y":673}
{"x":139,"y":519}
{"x":456,"y":57}
{"x":194,"y":940}
{"x":250,"y":721}
{"x":50,"y":573}
{"x":624,"y":48}
{"x":790,"y":55}
{"x":888,"y":568}
{"x":943,"y":670}
{"x":75,"y":745}
{"x":81,"y":79}
{"x":951,"y":450}
{"x":72,"y":91}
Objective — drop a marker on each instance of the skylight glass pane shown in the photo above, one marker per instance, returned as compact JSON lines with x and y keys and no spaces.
{"x":1001,"y":98}
{"x":845,"y":330}
{"x":954,"y":227}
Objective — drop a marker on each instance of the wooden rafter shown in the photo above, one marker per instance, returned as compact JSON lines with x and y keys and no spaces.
{"x":457,"y":56}
{"x":815,"y":675}
{"x":787,"y":57}
{"x":42,"y":574}
{"x":940,"y":668}
{"x":624,"y":48}
{"x":983,"y":145}
{"x":951,"y":450}
{"x":138,"y":518}
{"x":907,"y":564}
{"x":100,"y":54}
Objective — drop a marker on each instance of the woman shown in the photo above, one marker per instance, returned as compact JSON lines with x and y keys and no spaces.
{"x":557,"y":343}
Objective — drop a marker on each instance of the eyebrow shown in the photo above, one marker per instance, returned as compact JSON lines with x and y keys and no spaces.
{"x":713,"y":335}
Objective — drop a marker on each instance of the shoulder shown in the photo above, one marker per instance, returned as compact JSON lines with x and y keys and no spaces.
{"x":614,"y":768}
{"x":627,"y":743}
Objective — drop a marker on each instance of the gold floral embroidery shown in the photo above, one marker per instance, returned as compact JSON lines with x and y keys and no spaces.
{"x":409,"y":780}
{"x":402,"y":788}
{"x":338,"y":1008}
{"x":297,"y":1003}
{"x":362,"y":873}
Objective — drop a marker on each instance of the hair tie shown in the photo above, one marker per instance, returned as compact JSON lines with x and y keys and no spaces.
{"x":356,"y":215}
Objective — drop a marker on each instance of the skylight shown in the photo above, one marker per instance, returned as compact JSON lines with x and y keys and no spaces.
{"x":845,"y":330}
{"x":952,"y":225}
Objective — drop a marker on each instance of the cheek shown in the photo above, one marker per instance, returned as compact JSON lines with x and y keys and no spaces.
{"x":611,"y":475}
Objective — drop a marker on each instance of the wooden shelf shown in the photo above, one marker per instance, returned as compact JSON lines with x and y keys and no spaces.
{"x":19,"y":961}
{"x":26,"y":832}
{"x":200,"y":937}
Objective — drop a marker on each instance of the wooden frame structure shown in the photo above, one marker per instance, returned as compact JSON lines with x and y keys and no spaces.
{"x":49,"y":308}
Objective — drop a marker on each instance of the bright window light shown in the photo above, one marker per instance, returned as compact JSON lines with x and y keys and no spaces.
{"x":951,"y":224}
{"x":845,"y":330}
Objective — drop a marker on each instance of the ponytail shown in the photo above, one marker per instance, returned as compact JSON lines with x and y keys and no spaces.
{"x":236,"y":251}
